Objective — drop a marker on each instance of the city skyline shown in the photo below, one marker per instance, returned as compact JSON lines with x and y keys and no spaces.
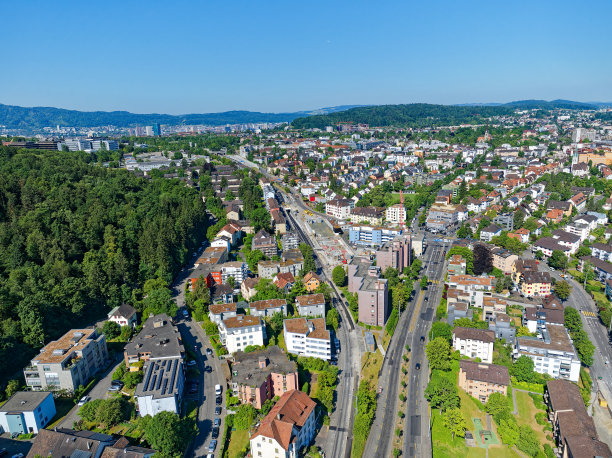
{"x":214,"y":58}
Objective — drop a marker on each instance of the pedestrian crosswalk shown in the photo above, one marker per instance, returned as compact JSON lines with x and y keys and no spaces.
{"x":589,"y":314}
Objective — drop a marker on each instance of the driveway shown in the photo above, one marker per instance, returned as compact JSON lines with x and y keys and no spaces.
{"x":99,"y":391}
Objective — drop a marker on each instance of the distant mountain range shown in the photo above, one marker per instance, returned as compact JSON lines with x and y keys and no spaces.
{"x":553,"y":104}
{"x":31,"y":118}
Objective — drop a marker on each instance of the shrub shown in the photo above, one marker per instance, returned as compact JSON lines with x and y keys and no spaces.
{"x":541,"y":418}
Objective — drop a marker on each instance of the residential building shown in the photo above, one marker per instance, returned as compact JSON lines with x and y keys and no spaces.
{"x":69,"y":362}
{"x":533,"y":284}
{"x":158,"y":339}
{"x":240,"y":331}
{"x":456,"y":265}
{"x":602,"y":269}
{"x":213,"y":255}
{"x":289,"y":427}
{"x":475,"y":288}
{"x":487,"y":234}
{"x":369,"y":215}
{"x":290,"y":241}
{"x":480,"y":380}
{"x":311,"y":282}
{"x":547,"y":245}
{"x":222,"y":293}
{"x":579,"y":201}
{"x":552,"y":352}
{"x":503,"y":259}
{"x":261,"y":375}
{"x":573,"y":429}
{"x":268,"y":307}
{"x":339,"y":208}
{"x":220,"y":312}
{"x":235,"y":269}
{"x":307,"y":337}
{"x":456,"y":310}
{"x":396,"y":253}
{"x":123,"y":315}
{"x":521,"y":266}
{"x":371,"y":292}
{"x":536,"y":317}
{"x":565,"y":239}
{"x":372,"y":236}
{"x":284,"y":281}
{"x":61,"y":443}
{"x":162,"y":387}
{"x":27,"y":412}
{"x":505,"y":221}
{"x":248,"y":288}
{"x":501,"y":325}
{"x":268,"y":269}
{"x":474,"y":343}
{"x":396,"y":214}
{"x":311,"y":305}
{"x":602,"y":251}
{"x":265,"y":243}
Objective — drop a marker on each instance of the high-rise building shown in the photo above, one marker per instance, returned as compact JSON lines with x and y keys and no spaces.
{"x":156,"y":129}
{"x":149,"y":131}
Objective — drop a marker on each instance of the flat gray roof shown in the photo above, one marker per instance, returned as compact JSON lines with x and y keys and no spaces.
{"x":160,"y":378}
{"x":25,"y":401}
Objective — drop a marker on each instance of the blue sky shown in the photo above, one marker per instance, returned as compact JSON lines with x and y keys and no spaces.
{"x":207,"y":56}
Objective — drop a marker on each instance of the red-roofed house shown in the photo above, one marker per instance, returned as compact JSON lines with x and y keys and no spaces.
{"x":288,"y":427}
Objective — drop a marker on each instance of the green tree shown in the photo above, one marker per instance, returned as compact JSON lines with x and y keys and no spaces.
{"x":562,"y":289}
{"x":439,"y":353}
{"x":169,"y":434}
{"x":572,"y":319}
{"x":112,"y":411}
{"x":132,"y":379}
{"x":528,"y":441}
{"x":441,"y":329}
{"x":508,"y":431}
{"x":159,"y":301}
{"x":12,"y":387}
{"x":523,"y":369}
{"x":111,"y":330}
{"x":483,"y":259}
{"x":309,"y":263}
{"x":332,"y":318}
{"x":243,"y":418}
{"x":442,"y":393}
{"x":497,"y":404}
{"x":583,"y":250}
{"x":424,"y":282}
{"x":454,"y":420}
{"x":253,"y":258}
{"x":519,"y":217}
{"x":464,"y":231}
{"x":558,"y":260}
{"x":339,"y":276}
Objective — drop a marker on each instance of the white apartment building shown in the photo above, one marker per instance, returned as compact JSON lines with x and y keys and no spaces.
{"x":235,"y":269}
{"x":240,"y":331}
{"x":474,"y":343}
{"x":396,"y":214}
{"x":551,"y":351}
{"x":307,"y":337}
{"x":339,"y":208}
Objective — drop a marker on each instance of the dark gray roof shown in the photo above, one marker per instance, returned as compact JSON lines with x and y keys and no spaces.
{"x":490,"y":373}
{"x":246,"y":370}
{"x":159,"y":337}
{"x":25,"y":401}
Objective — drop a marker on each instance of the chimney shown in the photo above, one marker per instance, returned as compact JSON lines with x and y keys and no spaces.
{"x":263,"y":362}
{"x":89,"y":445}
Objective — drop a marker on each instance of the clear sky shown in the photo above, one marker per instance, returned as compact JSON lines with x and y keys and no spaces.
{"x":205,"y":56}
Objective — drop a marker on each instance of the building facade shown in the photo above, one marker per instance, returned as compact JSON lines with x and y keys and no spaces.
{"x":306,"y":337}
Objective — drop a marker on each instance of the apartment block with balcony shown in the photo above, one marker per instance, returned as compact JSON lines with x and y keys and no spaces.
{"x":474,"y":343}
{"x":68,"y":362}
{"x":552,"y":352}
{"x":241,"y":331}
{"x":480,"y":380}
{"x":396,"y":253}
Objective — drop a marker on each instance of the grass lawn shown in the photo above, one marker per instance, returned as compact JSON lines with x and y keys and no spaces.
{"x":600,"y":297}
{"x":526,"y":416}
{"x":239,"y":439}
{"x":280,"y":341}
{"x":370,"y":365}
{"x":62,"y":407}
{"x":314,"y":384}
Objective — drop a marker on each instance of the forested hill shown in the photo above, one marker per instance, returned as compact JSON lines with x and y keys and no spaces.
{"x":412,"y":115}
{"x":16,"y":117}
{"x":77,"y":239}
{"x":427,"y":115}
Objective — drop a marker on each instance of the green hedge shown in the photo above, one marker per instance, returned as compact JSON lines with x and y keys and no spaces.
{"x":392,"y":322}
{"x":527,"y":386}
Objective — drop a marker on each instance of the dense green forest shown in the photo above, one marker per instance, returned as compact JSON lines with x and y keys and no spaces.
{"x":412,"y":115}
{"x":607,"y":116}
{"x":77,"y":239}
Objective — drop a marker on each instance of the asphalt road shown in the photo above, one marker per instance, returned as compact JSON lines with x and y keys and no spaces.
{"x":99,"y":391}
{"x":195,"y":337}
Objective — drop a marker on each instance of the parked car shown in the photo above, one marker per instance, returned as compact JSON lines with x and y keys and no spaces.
{"x":218,"y":390}
{"x":219,"y":400}
{"x":422,"y":338}
{"x":215,"y":432}
{"x":185,"y":313}
{"x":218,"y":410}
{"x":212,"y":446}
{"x":208,"y":351}
{"x":82,"y":402}
{"x":418,"y":366}
{"x":118,"y":383}
{"x":191,"y":363}
{"x":217,"y":422}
